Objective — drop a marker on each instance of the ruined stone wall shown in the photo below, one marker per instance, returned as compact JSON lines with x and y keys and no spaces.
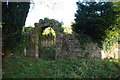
{"x":67,"y":45}
{"x":32,"y":47}
{"x":58,"y":45}
{"x":69,"y":48}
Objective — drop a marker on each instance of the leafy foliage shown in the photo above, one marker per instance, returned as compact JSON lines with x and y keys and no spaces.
{"x":98,"y":20}
{"x":27,"y":29}
{"x":48,"y":34}
{"x":46,"y":19}
{"x":25,"y":40}
{"x":112,"y":37}
{"x":67,"y":29}
{"x":13,"y":16}
{"x":83,"y":39}
{"x":54,"y":22}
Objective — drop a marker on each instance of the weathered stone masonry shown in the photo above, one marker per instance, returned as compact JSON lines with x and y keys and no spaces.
{"x":33,"y":49}
{"x":67,"y":46}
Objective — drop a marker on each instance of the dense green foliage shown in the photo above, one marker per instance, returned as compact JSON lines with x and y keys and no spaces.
{"x":67,"y":29}
{"x":111,"y":38}
{"x":48,"y":34}
{"x":83,"y":39}
{"x":25,"y":40}
{"x":46,"y":21}
{"x":99,"y":20}
{"x":93,"y":18}
{"x":54,"y":22}
{"x":27,"y":30}
{"x":22,"y":67}
{"x":13,"y":16}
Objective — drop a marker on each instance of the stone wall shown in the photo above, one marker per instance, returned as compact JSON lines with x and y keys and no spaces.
{"x":69,"y":48}
{"x":67,"y":45}
{"x":33,"y":49}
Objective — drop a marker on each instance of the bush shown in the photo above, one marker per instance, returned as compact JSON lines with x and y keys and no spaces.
{"x":111,"y":37}
{"x":48,"y":34}
{"x":83,"y":39}
{"x":25,"y":39}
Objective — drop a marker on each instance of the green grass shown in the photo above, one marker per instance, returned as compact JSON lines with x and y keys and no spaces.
{"x":23,"y":67}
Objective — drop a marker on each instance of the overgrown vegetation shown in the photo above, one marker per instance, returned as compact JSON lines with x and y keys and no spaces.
{"x":112,"y":36}
{"x":23,"y":67}
{"x":48,"y":34}
{"x":67,"y":29}
{"x":83,"y":39}
{"x":95,"y":22}
{"x":99,"y":20}
{"x":25,"y":39}
{"x":13,"y":16}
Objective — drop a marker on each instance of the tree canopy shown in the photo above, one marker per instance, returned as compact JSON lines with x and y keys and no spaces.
{"x":13,"y":17}
{"x":96,"y":19}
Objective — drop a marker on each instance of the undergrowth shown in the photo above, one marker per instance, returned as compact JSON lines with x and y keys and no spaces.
{"x":23,"y":67}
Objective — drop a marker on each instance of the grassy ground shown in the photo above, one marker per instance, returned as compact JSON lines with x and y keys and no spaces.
{"x":23,"y":67}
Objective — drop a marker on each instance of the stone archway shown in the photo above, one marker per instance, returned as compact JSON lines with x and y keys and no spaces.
{"x":67,"y":45}
{"x":33,"y":48}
